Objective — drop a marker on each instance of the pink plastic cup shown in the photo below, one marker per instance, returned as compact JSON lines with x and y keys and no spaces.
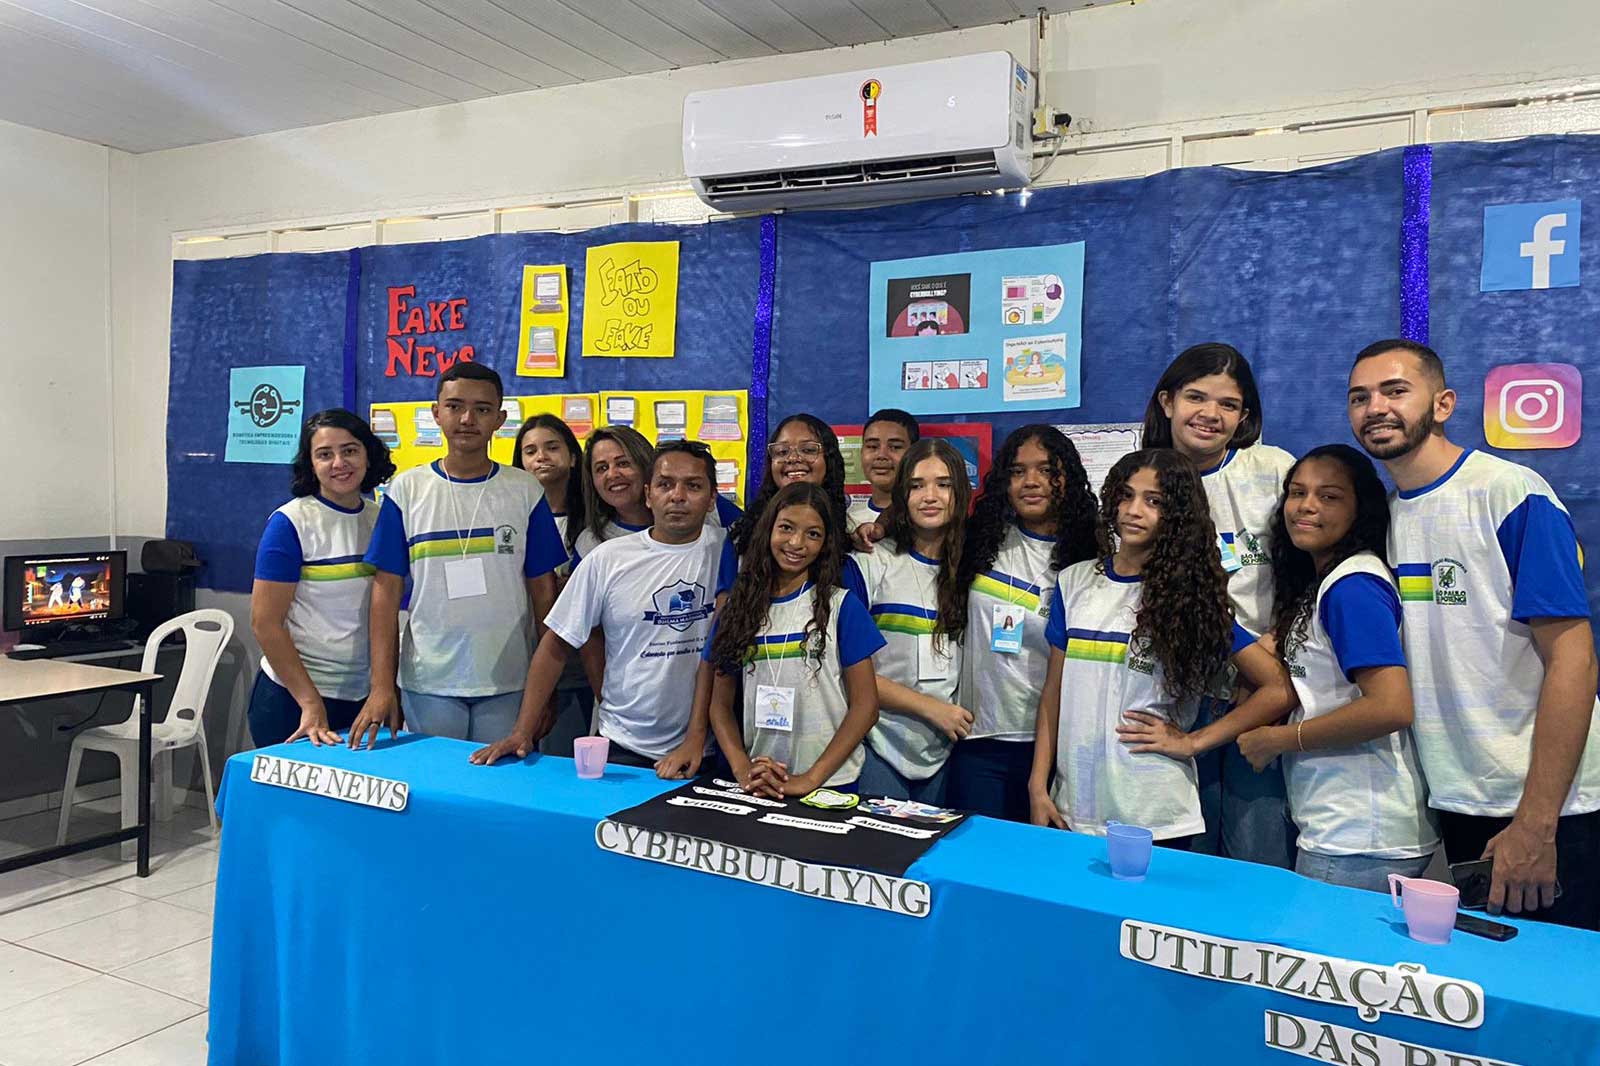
{"x":589,"y":754}
{"x":1430,"y":907}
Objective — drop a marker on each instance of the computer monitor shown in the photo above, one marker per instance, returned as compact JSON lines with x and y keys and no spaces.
{"x":43,"y":594}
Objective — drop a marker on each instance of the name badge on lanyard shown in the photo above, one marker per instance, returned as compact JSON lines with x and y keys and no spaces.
{"x":1230,"y":557}
{"x":464,"y":578}
{"x":1005,"y":634}
{"x":775,"y":708}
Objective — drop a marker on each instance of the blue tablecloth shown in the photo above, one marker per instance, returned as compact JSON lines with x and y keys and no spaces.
{"x":482,"y":925}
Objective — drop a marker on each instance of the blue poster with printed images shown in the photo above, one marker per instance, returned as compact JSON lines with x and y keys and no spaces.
{"x":998,"y":330}
{"x":265,"y":411}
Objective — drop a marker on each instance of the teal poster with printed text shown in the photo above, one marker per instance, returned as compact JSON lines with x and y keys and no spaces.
{"x":265,"y":411}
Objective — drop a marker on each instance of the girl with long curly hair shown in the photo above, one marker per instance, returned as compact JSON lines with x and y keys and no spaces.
{"x":1034,"y":516}
{"x":910,"y":583}
{"x":1207,"y":408}
{"x":804,"y":647}
{"x":802,"y":448}
{"x":1135,"y":637}
{"x":1356,"y":789}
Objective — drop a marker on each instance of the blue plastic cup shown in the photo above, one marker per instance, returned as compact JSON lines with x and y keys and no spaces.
{"x":1128,"y":849}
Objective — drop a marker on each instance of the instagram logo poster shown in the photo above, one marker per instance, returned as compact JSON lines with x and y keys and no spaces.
{"x":1533,"y":405}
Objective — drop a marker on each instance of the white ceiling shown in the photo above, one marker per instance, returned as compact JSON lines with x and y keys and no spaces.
{"x":142,"y":75}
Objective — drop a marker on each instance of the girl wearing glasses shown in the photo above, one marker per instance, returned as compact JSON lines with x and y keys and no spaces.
{"x":802,"y":449}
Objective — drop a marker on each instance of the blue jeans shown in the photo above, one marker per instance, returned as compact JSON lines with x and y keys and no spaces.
{"x":1246,"y":813}
{"x":878,"y":778}
{"x":1358,"y":871}
{"x":574,"y":716}
{"x":481,"y":719}
{"x":989,"y":776}
{"x":274,"y":715}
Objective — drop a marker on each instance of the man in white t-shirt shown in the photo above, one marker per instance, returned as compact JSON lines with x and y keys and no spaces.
{"x":480,"y":547}
{"x":1498,"y":641}
{"x":652,"y":595}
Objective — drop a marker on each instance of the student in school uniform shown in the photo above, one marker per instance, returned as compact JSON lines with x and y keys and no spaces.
{"x":1355,"y":788}
{"x":802,"y":448}
{"x":481,"y":548}
{"x":1034,"y":516}
{"x":547,"y":448}
{"x":804,"y":647}
{"x":909,"y":583}
{"x":1207,"y":408}
{"x":884,"y":440}
{"x":1498,"y":639}
{"x":614,"y":469}
{"x":1135,"y":637}
{"x":309,"y":603}
{"x":651,"y":595}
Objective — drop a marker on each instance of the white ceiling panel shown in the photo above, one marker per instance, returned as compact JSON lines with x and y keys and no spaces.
{"x":143,"y":75}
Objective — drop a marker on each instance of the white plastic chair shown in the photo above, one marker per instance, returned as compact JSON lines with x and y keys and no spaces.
{"x":206,"y":632}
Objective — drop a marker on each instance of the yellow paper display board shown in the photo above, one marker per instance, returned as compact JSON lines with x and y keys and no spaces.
{"x":719,"y":417}
{"x":414,"y":438}
{"x":630,"y":299}
{"x":542,"y":339}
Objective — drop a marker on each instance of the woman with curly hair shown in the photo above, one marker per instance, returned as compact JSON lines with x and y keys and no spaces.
{"x":1034,"y":516}
{"x":802,"y":448}
{"x":1135,"y":637}
{"x":1356,"y":789}
{"x":910,"y":583}
{"x":804,"y":647}
{"x":310,"y":601}
{"x":1207,"y":408}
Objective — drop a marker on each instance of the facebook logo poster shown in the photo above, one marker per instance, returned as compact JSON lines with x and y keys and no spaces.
{"x":1531,"y":246}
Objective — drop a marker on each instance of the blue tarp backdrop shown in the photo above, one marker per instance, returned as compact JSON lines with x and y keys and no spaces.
{"x":1298,"y":270}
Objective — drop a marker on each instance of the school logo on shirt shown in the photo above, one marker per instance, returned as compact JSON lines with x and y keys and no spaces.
{"x":1139,"y":658}
{"x":680,"y":605}
{"x":505,"y":540}
{"x":1291,"y":661}
{"x":1252,"y":552}
{"x":1443,"y":582}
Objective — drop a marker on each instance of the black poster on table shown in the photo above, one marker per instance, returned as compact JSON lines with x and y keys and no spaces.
{"x":857,"y":838}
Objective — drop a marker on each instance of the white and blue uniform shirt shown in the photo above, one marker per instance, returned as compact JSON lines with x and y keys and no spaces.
{"x":654,"y":603}
{"x":1243,"y":492}
{"x":860,"y":513}
{"x":318,"y":547}
{"x":1369,"y":799}
{"x":474,"y":645}
{"x":1480,"y":553}
{"x":784,"y":656}
{"x":1105,"y":673}
{"x":900,"y":589}
{"x":1001,"y":689}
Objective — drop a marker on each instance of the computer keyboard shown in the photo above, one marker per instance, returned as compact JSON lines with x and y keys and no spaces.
{"x":64,"y":648}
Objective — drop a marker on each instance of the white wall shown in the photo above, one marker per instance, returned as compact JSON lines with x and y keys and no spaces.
{"x":54,"y":387}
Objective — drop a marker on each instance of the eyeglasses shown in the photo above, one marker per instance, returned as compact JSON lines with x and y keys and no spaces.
{"x":811,"y":450}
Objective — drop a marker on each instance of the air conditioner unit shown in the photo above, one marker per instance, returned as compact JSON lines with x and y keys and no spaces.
{"x":918,"y":130}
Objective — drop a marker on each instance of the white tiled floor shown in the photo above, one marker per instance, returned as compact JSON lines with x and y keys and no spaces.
{"x":100,"y":966}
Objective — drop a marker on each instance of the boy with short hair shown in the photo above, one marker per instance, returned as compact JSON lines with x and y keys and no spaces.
{"x":480,"y":546}
{"x":884,"y":439}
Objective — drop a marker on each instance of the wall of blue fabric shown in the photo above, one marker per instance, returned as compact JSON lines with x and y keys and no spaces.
{"x":1298,"y":270}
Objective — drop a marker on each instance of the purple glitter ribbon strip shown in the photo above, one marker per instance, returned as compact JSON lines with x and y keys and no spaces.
{"x":352,"y":321}
{"x":1417,"y":167}
{"x":761,"y":356}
